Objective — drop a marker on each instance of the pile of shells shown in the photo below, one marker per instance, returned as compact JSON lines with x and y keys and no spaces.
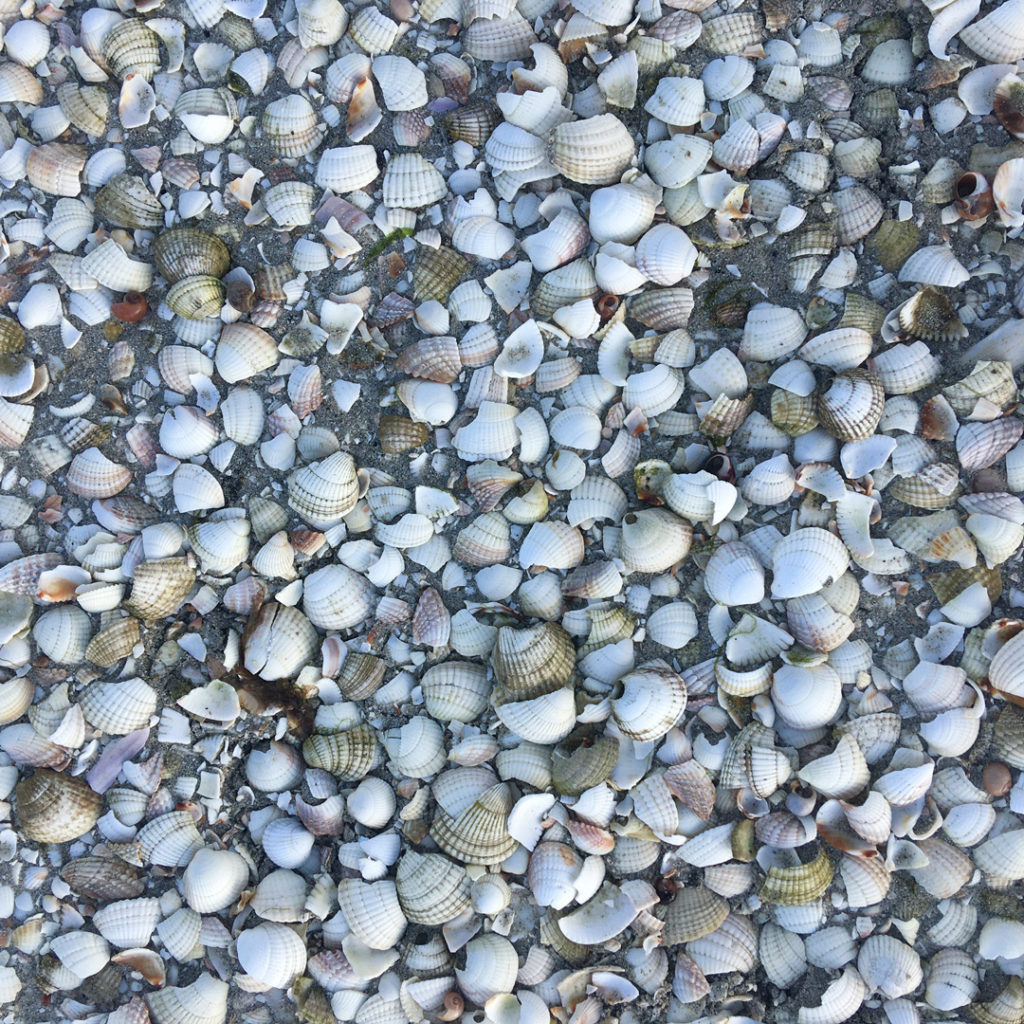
{"x":511,"y":511}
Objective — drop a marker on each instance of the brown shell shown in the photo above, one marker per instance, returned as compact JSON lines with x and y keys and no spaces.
{"x":436,"y":272}
{"x":189,"y":252}
{"x":103,"y":878}
{"x":55,"y":808}
{"x":360,"y":676}
{"x":852,"y":406}
{"x":400,"y":434}
{"x":431,"y":359}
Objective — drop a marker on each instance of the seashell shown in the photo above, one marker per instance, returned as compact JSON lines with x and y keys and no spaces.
{"x":62,"y":634}
{"x":675,"y":164}
{"x":731,"y":947}
{"x":290,"y":125}
{"x":491,"y":964}
{"x":561,"y":241}
{"x":650,"y":702}
{"x":54,"y":808}
{"x":677,"y":101}
{"x":491,"y":435}
{"x":889,"y":966}
{"x":733,"y":575}
{"x":111,"y":266}
{"x":205,"y":1001}
{"x":127,"y":924}
{"x":806,"y":561}
{"x":334,"y":597}
{"x":998,"y":857}
{"x":485,"y":541}
{"x":431,"y":889}
{"x":801,"y":883}
{"x":188,"y":252}
{"x":280,"y":896}
{"x":499,"y":39}
{"x":102,"y":878}
{"x":82,"y":953}
{"x":347,"y":169}
{"x":196,"y":297}
{"x":664,"y":255}
{"x":349,"y":755}
{"x":806,"y":697}
{"x":131,"y":47}
{"x":654,"y":540}
{"x":852,"y":406}
{"x":545,"y":719}
{"x":533,"y":661}
{"x":126,"y":201}
{"x":841,"y":774}
{"x":1006,"y":1006}
{"x":55,"y":167}
{"x":323,"y":492}
{"x":214,"y":879}
{"x":592,"y":151}
{"x":119,"y":708}
{"x":410,"y":182}
{"x":996,"y":37}
{"x":92,"y":475}
{"x":272,"y":954}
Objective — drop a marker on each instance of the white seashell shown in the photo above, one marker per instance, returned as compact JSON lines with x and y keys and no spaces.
{"x":677,"y":101}
{"x":561,"y":241}
{"x":491,"y":966}
{"x":347,"y":169}
{"x":62,"y":634}
{"x":653,"y":540}
{"x":726,"y":77}
{"x":610,"y":912}
{"x":492,"y":434}
{"x":934,"y":265}
{"x":27,"y":42}
{"x":411,"y":182}
{"x":112,"y":267}
{"x":82,"y":953}
{"x":195,"y":489}
{"x":1001,"y":856}
{"x":402,"y":84}
{"x":733,"y":576}
{"x":665,"y":255}
{"x":416,"y":749}
{"x":127,"y":924}
{"x":280,"y":896}
{"x":654,"y":391}
{"x":997,"y":37}
{"x":819,"y":44}
{"x":806,"y":561}
{"x":205,"y":1001}
{"x":968,"y":824}
{"x":214,"y":879}
{"x":521,"y":354}
{"x":372,"y":803}
{"x":676,"y":162}
{"x":806,"y":698}
{"x":889,"y":966}
{"x":335,"y":597}
{"x":287,"y":843}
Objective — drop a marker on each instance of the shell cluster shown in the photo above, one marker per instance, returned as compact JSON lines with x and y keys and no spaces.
{"x":511,"y":512}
